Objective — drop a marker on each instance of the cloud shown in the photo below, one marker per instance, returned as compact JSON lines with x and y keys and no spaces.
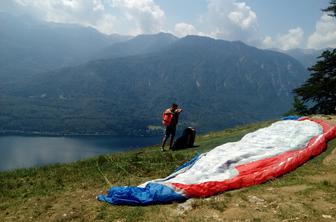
{"x":107,"y":16}
{"x":223,"y":19}
{"x":232,"y":20}
{"x":243,"y":16}
{"x":182,"y":29}
{"x":98,"y":5}
{"x":325,"y":33}
{"x":293,"y":39}
{"x":268,"y":42}
{"x":147,"y":16}
{"x":90,"y":13}
{"x":105,"y":24}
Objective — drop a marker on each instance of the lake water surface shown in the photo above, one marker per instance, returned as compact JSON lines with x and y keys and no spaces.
{"x":28,"y":151}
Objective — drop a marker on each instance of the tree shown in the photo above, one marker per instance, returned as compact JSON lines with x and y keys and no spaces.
{"x":319,"y":91}
{"x":331,"y":8}
{"x":299,"y":106}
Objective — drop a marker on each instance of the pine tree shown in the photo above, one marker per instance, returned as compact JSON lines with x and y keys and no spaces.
{"x":299,"y":106}
{"x":331,"y":8}
{"x":319,"y":91}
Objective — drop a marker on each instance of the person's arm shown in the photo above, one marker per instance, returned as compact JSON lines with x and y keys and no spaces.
{"x":179,"y":110}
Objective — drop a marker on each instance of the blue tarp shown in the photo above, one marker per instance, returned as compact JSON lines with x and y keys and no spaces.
{"x":150,"y":194}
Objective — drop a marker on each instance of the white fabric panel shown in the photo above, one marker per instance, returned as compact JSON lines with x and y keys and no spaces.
{"x":218,"y":164}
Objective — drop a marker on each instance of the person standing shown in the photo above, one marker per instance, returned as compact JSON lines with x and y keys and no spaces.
{"x":170,"y":120}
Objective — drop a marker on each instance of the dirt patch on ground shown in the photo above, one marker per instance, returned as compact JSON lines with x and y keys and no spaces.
{"x":323,"y":178}
{"x":235,"y":213}
{"x":331,"y":119}
{"x":293,"y":189}
{"x":69,"y":206}
{"x":330,"y":160}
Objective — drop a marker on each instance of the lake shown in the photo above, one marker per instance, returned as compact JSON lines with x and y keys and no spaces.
{"x":29,"y":151}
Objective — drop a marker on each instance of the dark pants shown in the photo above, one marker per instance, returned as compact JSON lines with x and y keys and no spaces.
{"x":170,"y":130}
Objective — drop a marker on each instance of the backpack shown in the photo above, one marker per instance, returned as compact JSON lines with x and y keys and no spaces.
{"x":186,"y":140}
{"x":167,"y":118}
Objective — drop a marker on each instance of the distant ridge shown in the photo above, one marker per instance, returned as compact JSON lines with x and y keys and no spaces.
{"x":218,"y":83}
{"x":29,"y":46}
{"x":307,"y":57}
{"x":140,"y":44}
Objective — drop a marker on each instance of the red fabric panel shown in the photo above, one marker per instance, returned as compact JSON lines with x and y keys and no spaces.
{"x":262,"y":170}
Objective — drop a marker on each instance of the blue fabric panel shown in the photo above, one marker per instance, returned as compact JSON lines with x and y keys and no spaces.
{"x":189,"y":163}
{"x":291,"y":118}
{"x":151,"y":194}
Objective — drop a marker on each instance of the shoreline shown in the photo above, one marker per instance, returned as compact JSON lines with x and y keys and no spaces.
{"x":52,"y":134}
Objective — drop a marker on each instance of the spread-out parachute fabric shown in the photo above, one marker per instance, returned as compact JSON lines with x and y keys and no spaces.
{"x":259,"y":156}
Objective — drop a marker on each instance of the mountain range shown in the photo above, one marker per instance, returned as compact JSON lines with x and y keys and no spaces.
{"x":218,"y":84}
{"x":29,"y":46}
{"x":67,"y":79}
{"x":307,"y":57}
{"x":141,"y":44}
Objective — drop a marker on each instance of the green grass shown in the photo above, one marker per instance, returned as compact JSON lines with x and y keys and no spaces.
{"x":66,"y":192}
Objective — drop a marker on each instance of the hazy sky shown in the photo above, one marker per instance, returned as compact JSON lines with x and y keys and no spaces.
{"x":282,"y":24}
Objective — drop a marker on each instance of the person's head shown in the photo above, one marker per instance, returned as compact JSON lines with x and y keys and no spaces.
{"x":174,"y":106}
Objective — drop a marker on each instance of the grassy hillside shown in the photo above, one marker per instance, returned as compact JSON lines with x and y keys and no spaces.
{"x":66,"y":192}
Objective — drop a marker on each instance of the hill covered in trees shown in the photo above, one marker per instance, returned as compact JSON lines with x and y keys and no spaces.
{"x":218,"y":83}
